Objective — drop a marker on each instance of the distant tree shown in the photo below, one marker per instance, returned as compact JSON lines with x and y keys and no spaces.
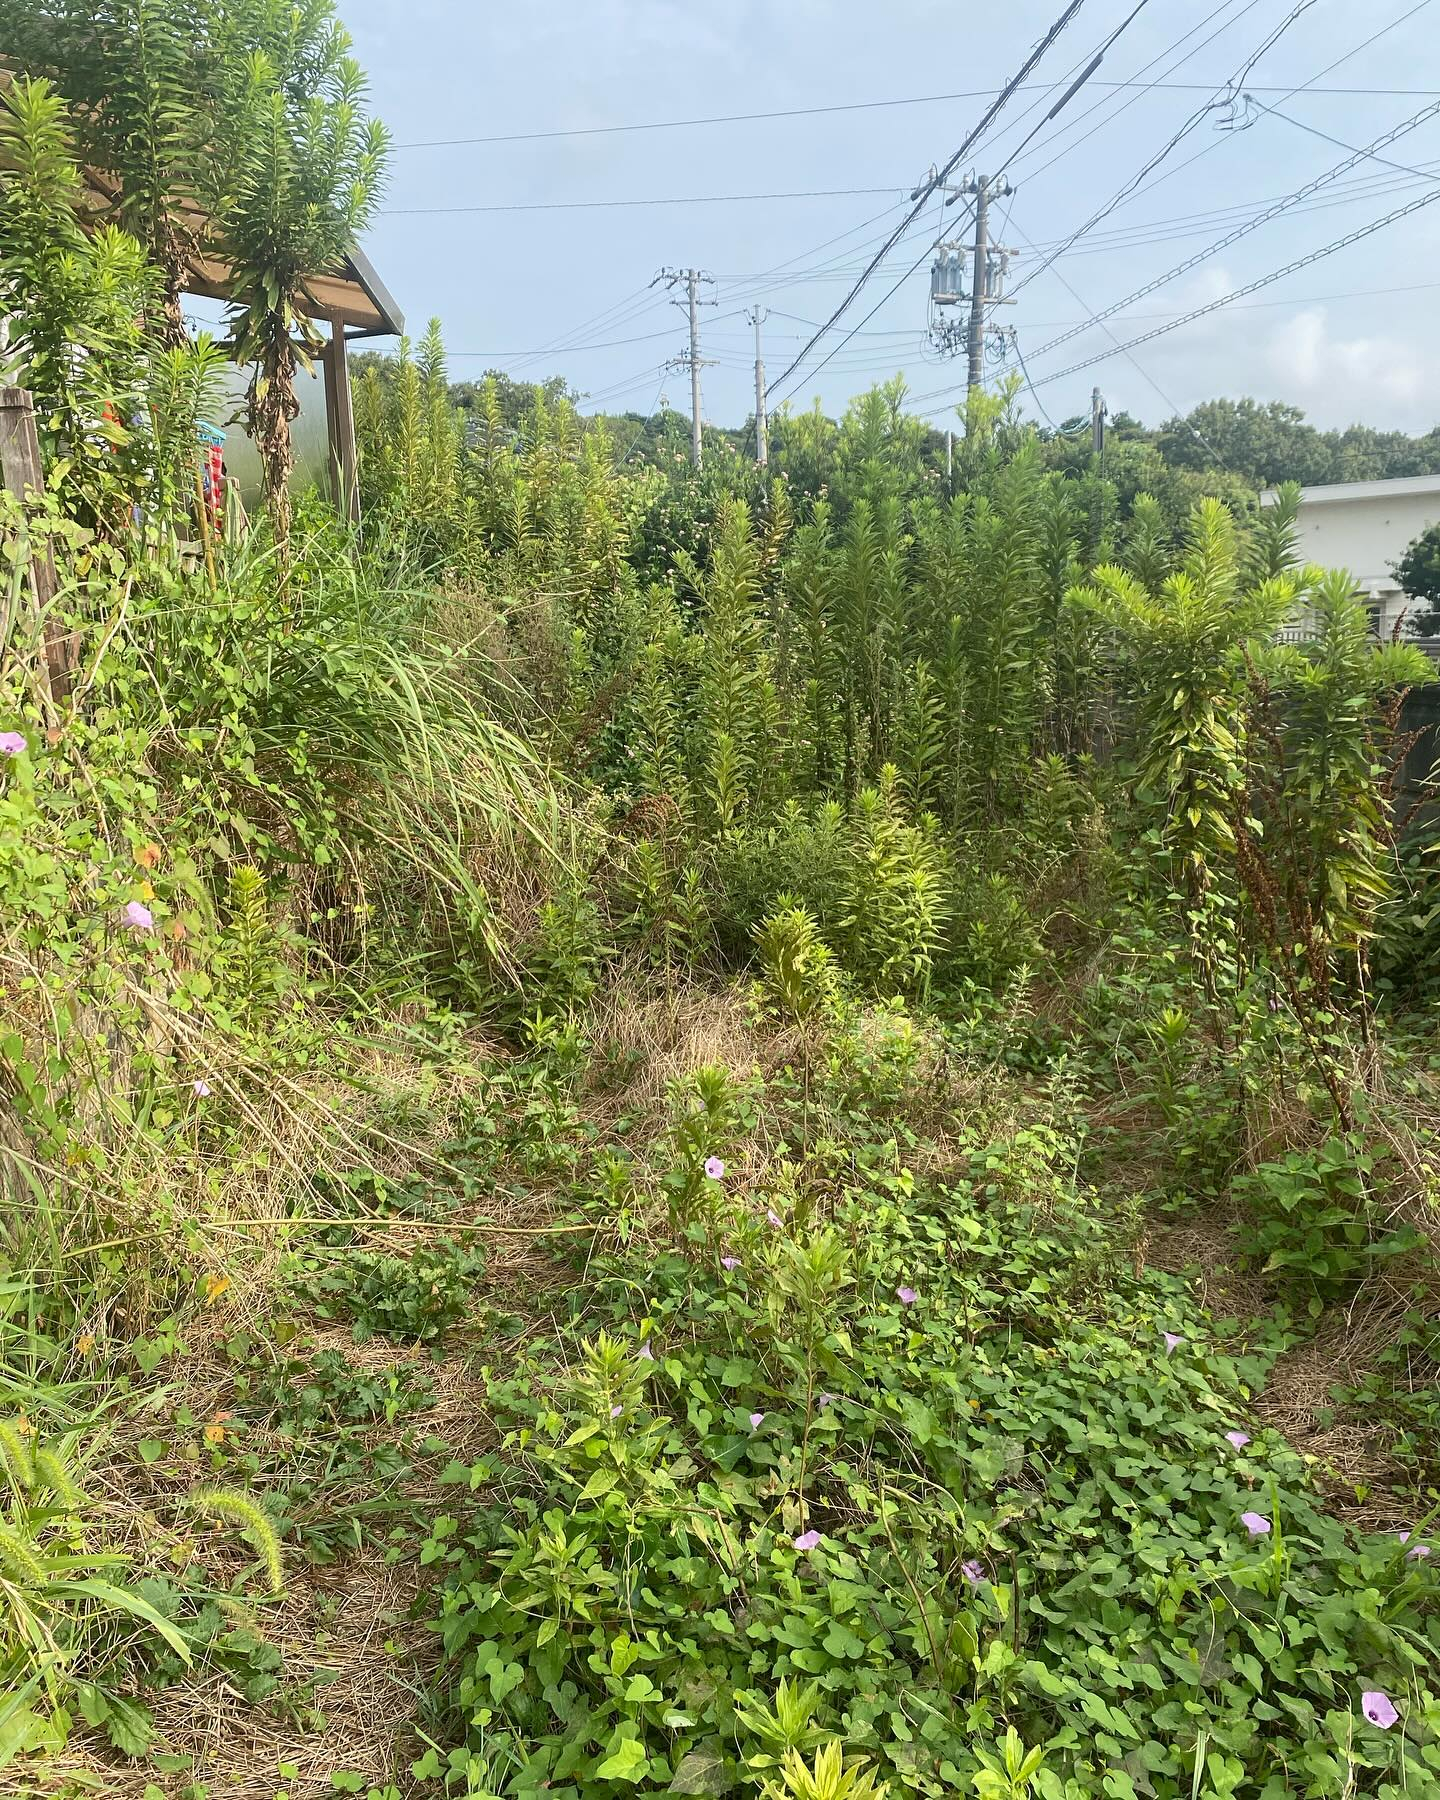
{"x":1418,"y":572}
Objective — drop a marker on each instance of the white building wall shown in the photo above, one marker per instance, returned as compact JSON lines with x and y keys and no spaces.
{"x":1366,"y":534}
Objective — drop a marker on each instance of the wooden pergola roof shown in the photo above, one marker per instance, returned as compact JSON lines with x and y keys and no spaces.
{"x":351,"y":296}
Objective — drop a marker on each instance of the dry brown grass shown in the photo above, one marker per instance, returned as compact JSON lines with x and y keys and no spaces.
{"x":1360,"y":1477}
{"x":355,"y":1666}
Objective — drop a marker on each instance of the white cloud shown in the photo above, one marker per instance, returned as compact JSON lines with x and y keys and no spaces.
{"x":1362,"y":376}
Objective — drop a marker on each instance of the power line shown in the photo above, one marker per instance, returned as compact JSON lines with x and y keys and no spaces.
{"x":1157,"y":83}
{"x":405,"y":212}
{"x":1142,"y":88}
{"x":1272,"y":211}
{"x":1307,"y":86}
{"x":1340,"y":143}
{"x":648,"y":337}
{"x":1128,"y":187}
{"x":938,"y":179}
{"x":899,"y":282}
{"x":1251,"y":287}
{"x":810,"y":112}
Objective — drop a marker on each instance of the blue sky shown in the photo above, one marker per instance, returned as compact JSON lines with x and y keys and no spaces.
{"x":1339,"y":338}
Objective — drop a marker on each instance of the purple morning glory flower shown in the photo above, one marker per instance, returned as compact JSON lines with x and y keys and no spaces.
{"x":1378,"y":1708}
{"x":973,"y":1571}
{"x":11,"y":743}
{"x":1173,"y":1340}
{"x":826,"y":1400}
{"x":807,"y":1540}
{"x":1417,"y":1553}
{"x":756,"y":1421}
{"x":202,"y":1088}
{"x":772,"y":1217}
{"x":138,"y":917}
{"x":1256,"y":1524}
{"x":729,"y":1262}
{"x":1238,"y":1438}
{"x":714,"y":1168}
{"x":616,"y":1410}
{"x":645,"y":1353}
{"x":906,"y":1296}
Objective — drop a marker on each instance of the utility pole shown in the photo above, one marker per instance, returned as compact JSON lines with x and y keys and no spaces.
{"x":1097,"y":421}
{"x":984,"y":188}
{"x":692,"y":359}
{"x":697,"y":453}
{"x":949,"y":462}
{"x":762,"y":430}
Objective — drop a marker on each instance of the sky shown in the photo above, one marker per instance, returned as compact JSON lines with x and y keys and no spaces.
{"x":537,"y":285}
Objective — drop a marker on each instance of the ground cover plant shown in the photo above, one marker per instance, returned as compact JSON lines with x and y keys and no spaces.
{"x":761,"y":1134}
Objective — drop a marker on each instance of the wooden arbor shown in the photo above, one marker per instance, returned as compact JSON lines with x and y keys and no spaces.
{"x":357,"y":305}
{"x":352,"y":298}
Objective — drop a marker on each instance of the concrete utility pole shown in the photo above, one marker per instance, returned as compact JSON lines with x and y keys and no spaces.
{"x":762,"y":424}
{"x":949,"y":461}
{"x":697,"y":453}
{"x":692,"y":359}
{"x":985,"y":189}
{"x":1097,"y":421}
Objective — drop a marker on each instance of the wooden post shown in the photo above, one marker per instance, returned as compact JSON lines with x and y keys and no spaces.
{"x":340,"y":425}
{"x":22,"y":474}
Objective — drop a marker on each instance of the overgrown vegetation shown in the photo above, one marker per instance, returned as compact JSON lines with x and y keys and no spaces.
{"x":676,"y":1135}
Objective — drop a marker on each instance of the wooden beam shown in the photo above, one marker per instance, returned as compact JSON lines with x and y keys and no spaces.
{"x":340,"y":426}
{"x":22,"y":473}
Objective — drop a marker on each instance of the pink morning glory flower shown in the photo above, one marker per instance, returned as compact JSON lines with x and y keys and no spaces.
{"x":202,"y":1088}
{"x":1238,"y":1438}
{"x":827,"y":1399}
{"x":730,"y":1262}
{"x":1173,"y":1340}
{"x":1417,"y":1553}
{"x":1378,"y":1708}
{"x":772,"y":1217}
{"x":973,"y":1571}
{"x":756,"y":1421}
{"x":138,"y":917}
{"x":1255,"y":1523}
{"x":615,"y":1411}
{"x":714,"y":1168}
{"x":11,"y":743}
{"x":645,"y":1353}
{"x":906,"y":1296}
{"x":807,"y":1540}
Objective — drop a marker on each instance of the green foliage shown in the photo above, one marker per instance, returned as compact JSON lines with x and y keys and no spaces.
{"x":1009,"y":1466}
{"x":235,"y":1508}
{"x":414,"y":1299}
{"x":1418,"y":572}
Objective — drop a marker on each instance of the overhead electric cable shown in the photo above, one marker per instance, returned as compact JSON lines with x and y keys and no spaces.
{"x":1272,"y":211}
{"x":1304,"y":87}
{"x":1154,"y":85}
{"x":1128,"y":187}
{"x":1340,"y":143}
{"x":509,"y":206}
{"x":848,"y":106}
{"x":1250,"y":287}
{"x":940,"y":176}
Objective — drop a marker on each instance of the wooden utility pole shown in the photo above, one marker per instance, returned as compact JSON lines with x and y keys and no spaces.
{"x":22,"y":474}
